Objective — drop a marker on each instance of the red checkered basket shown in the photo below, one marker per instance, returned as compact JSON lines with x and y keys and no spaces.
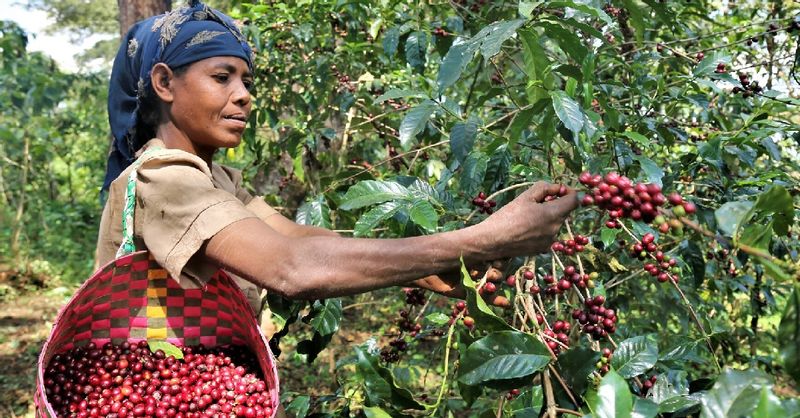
{"x":132,"y":299}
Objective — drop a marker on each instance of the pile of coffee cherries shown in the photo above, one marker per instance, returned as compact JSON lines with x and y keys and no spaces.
{"x":128,"y":380}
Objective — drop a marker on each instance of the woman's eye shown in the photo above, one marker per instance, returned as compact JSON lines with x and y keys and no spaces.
{"x":221,"y":77}
{"x":248,"y":84}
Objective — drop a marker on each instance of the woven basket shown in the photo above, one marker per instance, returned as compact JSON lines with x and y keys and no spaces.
{"x":133,"y":299}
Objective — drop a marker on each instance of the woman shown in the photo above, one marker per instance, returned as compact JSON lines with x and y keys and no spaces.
{"x":184,"y":79}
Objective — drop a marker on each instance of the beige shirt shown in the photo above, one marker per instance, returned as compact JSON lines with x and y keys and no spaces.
{"x":180,"y":204}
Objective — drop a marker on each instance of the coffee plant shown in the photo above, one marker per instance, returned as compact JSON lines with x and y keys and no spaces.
{"x":672,"y":291}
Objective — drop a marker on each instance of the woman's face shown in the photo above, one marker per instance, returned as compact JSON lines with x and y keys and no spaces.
{"x":212,"y":101}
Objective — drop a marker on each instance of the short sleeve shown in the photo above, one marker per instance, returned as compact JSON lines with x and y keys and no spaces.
{"x":178,"y":210}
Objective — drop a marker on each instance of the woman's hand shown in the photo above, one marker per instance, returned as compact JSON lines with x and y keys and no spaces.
{"x":528,"y":224}
{"x":449,"y":283}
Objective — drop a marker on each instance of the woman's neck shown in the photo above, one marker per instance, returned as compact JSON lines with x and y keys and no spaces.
{"x":176,"y":139}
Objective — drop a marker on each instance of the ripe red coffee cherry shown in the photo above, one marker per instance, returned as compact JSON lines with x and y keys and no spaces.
{"x":511,"y":280}
{"x":528,"y":275}
{"x":689,"y":207}
{"x":489,"y":287}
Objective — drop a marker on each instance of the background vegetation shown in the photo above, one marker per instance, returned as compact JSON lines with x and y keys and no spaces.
{"x":387,"y":118}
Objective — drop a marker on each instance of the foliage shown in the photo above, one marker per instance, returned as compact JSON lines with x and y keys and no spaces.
{"x":389,"y":118}
{"x":51,"y":142}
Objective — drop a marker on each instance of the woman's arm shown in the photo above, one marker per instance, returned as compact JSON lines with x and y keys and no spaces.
{"x":320,"y":266}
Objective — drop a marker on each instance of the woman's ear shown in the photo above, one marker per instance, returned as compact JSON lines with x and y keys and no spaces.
{"x":161,"y":78}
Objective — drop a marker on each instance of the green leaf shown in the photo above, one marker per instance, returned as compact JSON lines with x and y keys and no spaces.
{"x":608,"y":236}
{"x":644,"y":408}
{"x":375,"y":412}
{"x":168,"y":348}
{"x":576,"y":365}
{"x":473,"y":172}
{"x":315,"y":212}
{"x":735,"y":394}
{"x":501,"y":356}
{"x":583,"y":7}
{"x":526,"y":8}
{"x":651,"y":169}
{"x":778,"y":202}
{"x":730,"y":215}
{"x":424,"y":214}
{"x":757,"y":235}
{"x":635,"y":18}
{"x":789,"y":335}
{"x":438,"y":318}
{"x":567,"y":110}
{"x":379,"y":383}
{"x":400,"y":93}
{"x":454,"y":63}
{"x":769,"y":406}
{"x":773,"y":270}
{"x":569,"y":42}
{"x":635,"y":356}
{"x":612,"y":399}
{"x":485,"y":319}
{"x":373,"y":217}
{"x":371,"y":192}
{"x":416,"y":47}
{"x":391,"y":39}
{"x":495,"y":34}
{"x":299,"y":405}
{"x":462,"y":138}
{"x":326,"y":315}
{"x":415,"y":121}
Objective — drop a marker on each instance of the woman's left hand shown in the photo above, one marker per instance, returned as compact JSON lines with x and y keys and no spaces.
{"x":449,"y":284}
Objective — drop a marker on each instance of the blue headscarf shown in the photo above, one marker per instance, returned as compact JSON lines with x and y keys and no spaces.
{"x":177,"y":38}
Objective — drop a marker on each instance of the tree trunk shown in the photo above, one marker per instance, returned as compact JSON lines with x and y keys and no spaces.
{"x":23,"y":181}
{"x":132,"y":11}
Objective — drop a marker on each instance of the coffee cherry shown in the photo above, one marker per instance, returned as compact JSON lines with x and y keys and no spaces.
{"x":489,"y":287}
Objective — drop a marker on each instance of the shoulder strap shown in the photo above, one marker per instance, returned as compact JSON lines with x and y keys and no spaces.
{"x":128,"y":245}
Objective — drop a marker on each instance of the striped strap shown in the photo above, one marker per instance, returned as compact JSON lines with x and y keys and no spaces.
{"x":128,"y":245}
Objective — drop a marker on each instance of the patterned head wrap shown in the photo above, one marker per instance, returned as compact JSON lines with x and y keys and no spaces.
{"x":177,"y":38}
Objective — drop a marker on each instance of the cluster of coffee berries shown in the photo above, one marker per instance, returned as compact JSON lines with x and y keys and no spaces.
{"x":344,"y":80}
{"x":596,"y":320}
{"x":723,"y":255}
{"x":622,"y":198}
{"x":611,"y":10}
{"x":484,"y":206}
{"x":748,"y":88}
{"x":558,"y":336}
{"x":513,"y":393}
{"x":440,"y":32}
{"x":648,"y":384}
{"x":664,"y":269}
{"x":571,"y":246}
{"x":127,"y":380}
{"x":571,"y":277}
{"x":603,"y":365}
{"x":391,"y":354}
{"x":407,"y":325}
{"x":460,"y":309}
{"x":414,"y":296}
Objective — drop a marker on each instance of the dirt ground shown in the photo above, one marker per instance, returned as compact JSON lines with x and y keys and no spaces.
{"x":25,"y":323}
